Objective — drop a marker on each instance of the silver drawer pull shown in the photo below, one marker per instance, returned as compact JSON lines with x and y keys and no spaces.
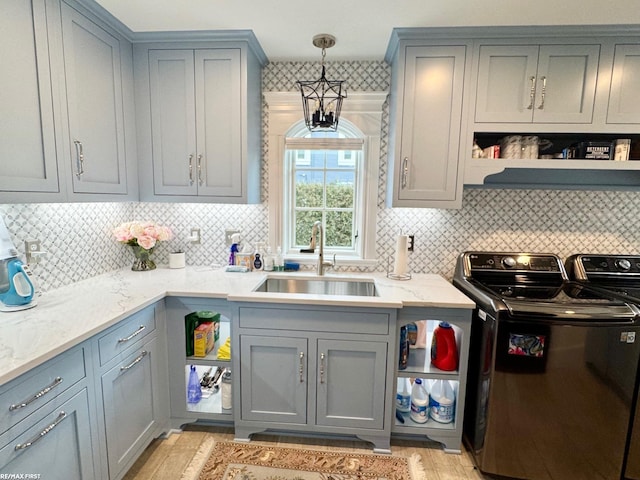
{"x":22,"y":446}
{"x":532,"y":92}
{"x":16,"y":406}
{"x":191,"y":169}
{"x":544,"y":92}
{"x":200,"y":182}
{"x":405,"y":172}
{"x":301,"y":367}
{"x":137,"y":332}
{"x":322,"y":368}
{"x":79,"y":158}
{"x":137,"y":360}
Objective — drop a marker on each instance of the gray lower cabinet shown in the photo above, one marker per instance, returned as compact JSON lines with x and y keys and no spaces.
{"x":210,"y":408}
{"x":315,"y":369}
{"x":419,"y":366}
{"x":46,"y":424}
{"x":56,"y":445}
{"x":133,"y":387}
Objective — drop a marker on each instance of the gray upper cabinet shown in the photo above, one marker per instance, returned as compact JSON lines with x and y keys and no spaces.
{"x":28,"y":156}
{"x":199,"y":122}
{"x":425,"y":126}
{"x":624,"y":98}
{"x":196,"y":121}
{"x":536,"y":83}
{"x":71,"y":81}
{"x":94,"y":105}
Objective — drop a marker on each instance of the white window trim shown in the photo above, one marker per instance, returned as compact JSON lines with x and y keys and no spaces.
{"x":364,"y":110}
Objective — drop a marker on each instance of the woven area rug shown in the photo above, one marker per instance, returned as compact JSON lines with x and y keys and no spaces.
{"x":249,"y":461}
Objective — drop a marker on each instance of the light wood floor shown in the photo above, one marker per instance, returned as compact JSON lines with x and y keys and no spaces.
{"x":166,"y":458}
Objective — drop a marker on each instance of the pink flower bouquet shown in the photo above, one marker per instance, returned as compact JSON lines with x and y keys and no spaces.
{"x":143,"y":234}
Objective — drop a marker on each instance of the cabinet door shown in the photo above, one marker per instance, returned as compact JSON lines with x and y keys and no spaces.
{"x":94,"y":103}
{"x":60,"y":444}
{"x":28,"y":161}
{"x":506,"y":83}
{"x":427,"y":167}
{"x":351,"y":383}
{"x":624,"y":98}
{"x":130,"y":405}
{"x":219,"y":122}
{"x":173,"y":122}
{"x":566,"y":83}
{"x":273,"y":379}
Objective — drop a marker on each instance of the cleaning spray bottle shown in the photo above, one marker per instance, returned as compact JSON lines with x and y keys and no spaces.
{"x":235,"y":248}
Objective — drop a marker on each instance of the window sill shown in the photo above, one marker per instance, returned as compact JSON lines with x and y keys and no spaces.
{"x":341,"y":261}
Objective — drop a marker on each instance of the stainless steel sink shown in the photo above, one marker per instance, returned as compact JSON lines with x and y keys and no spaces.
{"x":324,"y":286}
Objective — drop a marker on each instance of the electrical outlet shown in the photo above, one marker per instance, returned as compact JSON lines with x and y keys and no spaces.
{"x":410,"y":246}
{"x":227,"y":236}
{"x":29,"y":247}
{"x":194,"y":237}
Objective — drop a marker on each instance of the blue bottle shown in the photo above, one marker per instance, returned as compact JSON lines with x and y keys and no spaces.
{"x":194,"y":392}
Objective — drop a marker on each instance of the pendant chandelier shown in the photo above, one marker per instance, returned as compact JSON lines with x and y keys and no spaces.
{"x":322,"y":98}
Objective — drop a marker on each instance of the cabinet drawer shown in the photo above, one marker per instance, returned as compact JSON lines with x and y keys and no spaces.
{"x":316,"y":320}
{"x":56,"y":444}
{"x":31,"y":391}
{"x":126,"y":334}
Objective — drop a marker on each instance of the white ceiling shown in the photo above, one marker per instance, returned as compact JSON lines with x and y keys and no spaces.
{"x":362,"y":28}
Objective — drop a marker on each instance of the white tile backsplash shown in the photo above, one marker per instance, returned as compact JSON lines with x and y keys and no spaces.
{"x":80,"y":244}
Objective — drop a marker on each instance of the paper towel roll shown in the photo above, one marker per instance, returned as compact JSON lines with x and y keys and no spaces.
{"x":400,"y":262}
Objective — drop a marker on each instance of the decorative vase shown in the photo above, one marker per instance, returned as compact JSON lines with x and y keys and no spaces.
{"x":143,"y":260}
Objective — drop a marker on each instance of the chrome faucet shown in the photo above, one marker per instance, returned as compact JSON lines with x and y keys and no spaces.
{"x":317,"y":230}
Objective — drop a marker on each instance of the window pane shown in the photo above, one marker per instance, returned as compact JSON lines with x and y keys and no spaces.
{"x":341,"y":159}
{"x":339,"y":228}
{"x":317,"y":158}
{"x":340,"y":189}
{"x":309,"y":185}
{"x":304,"y":223}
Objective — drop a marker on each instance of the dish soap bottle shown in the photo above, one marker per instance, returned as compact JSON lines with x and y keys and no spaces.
{"x":194,"y":392}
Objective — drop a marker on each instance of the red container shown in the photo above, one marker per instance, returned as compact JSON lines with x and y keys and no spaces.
{"x":444,"y":351}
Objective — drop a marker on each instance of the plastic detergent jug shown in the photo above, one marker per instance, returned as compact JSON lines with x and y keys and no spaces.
{"x":419,"y":402}
{"x":442,"y":402}
{"x":403,"y":395}
{"x":444,"y":351}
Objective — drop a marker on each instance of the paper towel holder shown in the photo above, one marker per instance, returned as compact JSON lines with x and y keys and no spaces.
{"x":396,"y":276}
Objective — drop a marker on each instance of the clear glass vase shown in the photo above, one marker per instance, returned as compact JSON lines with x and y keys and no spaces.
{"x":143,"y":261}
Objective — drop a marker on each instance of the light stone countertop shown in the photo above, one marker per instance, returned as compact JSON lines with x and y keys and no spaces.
{"x":66,"y":316}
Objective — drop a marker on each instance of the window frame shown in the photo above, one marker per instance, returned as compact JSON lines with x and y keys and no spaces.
{"x":363,"y":110}
{"x":353,"y":141}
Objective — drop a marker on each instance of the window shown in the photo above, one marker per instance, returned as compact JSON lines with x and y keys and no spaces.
{"x":329,"y":176}
{"x":324,"y":182}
